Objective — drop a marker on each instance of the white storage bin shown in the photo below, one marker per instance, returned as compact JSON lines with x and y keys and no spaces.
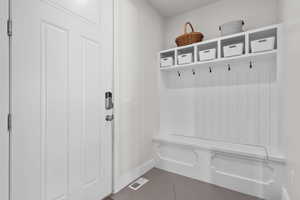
{"x":185,"y":58}
{"x":265,"y":44}
{"x":166,"y":62}
{"x":232,"y":27}
{"x":208,"y":54}
{"x":233,"y":50}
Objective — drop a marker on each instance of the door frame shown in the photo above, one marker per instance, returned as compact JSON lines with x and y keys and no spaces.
{"x":116,"y":92}
{"x":107,"y":24}
{"x":4,"y":101}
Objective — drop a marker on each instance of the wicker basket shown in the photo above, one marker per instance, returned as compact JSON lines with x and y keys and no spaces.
{"x":189,"y":38}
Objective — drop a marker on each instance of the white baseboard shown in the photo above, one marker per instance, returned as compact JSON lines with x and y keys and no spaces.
{"x":240,"y":184}
{"x":132,"y":175}
{"x":285,"y":194}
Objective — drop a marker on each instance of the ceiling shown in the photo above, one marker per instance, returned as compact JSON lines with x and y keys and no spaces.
{"x":174,"y":7}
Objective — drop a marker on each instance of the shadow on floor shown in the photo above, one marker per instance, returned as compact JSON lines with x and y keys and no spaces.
{"x":168,"y":186}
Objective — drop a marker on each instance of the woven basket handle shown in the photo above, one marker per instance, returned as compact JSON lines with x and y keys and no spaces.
{"x":186,"y":26}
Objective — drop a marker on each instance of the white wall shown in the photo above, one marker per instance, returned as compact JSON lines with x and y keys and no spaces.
{"x":291,"y":18}
{"x":139,"y":38}
{"x":255,"y":13}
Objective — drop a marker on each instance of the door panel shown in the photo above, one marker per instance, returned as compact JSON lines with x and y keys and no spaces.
{"x":54,"y":109}
{"x":91,"y":138}
{"x":59,"y":133}
{"x":4,"y":80}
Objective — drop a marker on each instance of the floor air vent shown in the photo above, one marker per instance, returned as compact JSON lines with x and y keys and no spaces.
{"x":138,"y":183}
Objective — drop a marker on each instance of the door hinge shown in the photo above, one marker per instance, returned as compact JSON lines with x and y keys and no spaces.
{"x":9,"y":122}
{"x":9,"y":28}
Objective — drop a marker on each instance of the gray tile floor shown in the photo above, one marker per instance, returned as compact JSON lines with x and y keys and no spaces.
{"x":168,"y":186}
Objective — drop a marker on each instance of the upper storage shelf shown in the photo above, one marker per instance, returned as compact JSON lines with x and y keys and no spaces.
{"x":234,"y":48}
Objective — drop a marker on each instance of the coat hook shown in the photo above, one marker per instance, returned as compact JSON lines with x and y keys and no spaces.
{"x":229,"y":68}
{"x":178,"y":73}
{"x":210,"y":70}
{"x":194,"y":72}
{"x":251,"y":65}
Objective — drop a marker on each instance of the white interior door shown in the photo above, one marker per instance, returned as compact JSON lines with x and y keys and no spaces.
{"x":61,"y":144}
{"x":4,"y":99}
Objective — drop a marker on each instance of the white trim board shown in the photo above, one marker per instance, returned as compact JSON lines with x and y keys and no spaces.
{"x":129,"y":177}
